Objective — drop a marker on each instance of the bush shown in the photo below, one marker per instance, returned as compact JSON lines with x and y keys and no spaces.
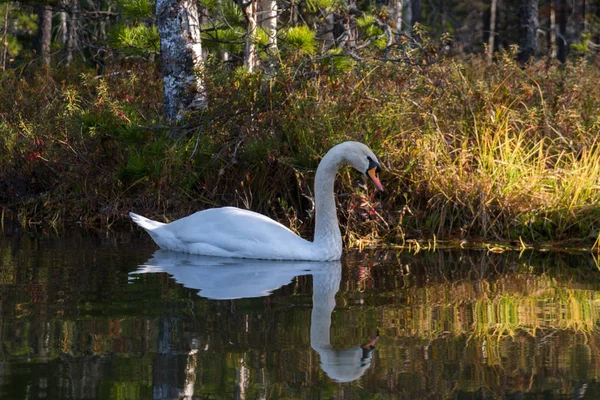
{"x":471,"y":150}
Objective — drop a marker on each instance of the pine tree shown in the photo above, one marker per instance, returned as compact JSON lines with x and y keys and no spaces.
{"x":528,"y":42}
{"x":136,"y":34}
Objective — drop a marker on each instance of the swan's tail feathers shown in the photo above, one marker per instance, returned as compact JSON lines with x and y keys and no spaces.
{"x":144,"y":222}
{"x":162,"y":237}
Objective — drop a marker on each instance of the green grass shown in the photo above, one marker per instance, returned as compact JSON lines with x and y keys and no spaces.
{"x":472,"y":151}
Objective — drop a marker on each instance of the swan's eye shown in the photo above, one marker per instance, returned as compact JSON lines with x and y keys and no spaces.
{"x":373,"y":164}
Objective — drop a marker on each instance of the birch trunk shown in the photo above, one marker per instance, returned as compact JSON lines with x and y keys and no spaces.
{"x":250,"y":56}
{"x":190,"y":372}
{"x":242,"y":380}
{"x":397,"y":7}
{"x":268,"y":20}
{"x":181,"y":56}
{"x":62,"y":27}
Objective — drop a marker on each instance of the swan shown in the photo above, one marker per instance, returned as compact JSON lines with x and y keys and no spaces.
{"x":237,"y":233}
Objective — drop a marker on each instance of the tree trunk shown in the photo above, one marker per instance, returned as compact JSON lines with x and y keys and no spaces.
{"x":166,"y":368}
{"x":62,"y":27}
{"x":563,"y":48}
{"x":250,"y":56}
{"x":72,"y":31}
{"x":578,"y":19}
{"x":552,"y":35}
{"x":294,"y":11}
{"x":407,"y":15}
{"x":181,"y":56}
{"x":528,"y":18}
{"x":597,"y":36}
{"x":204,"y":21}
{"x":4,"y":38}
{"x":327,"y":31}
{"x":268,"y":20}
{"x":190,"y":372}
{"x":44,"y":35}
{"x":224,"y":52}
{"x":485,"y":24}
{"x":443,"y":14}
{"x":416,"y":12}
{"x":492,"y":29}
{"x":396,"y":14}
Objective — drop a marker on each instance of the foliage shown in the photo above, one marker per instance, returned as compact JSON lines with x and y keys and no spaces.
{"x":137,"y":9}
{"x":20,"y":22}
{"x":224,"y":38}
{"x":136,"y":35}
{"x":139,"y":40}
{"x":314,"y":6}
{"x":471,"y":150}
{"x":337,"y":61}
{"x":300,"y":38}
{"x":365,"y":30}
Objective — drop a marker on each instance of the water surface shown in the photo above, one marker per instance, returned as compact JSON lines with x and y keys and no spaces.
{"x":104,"y":316}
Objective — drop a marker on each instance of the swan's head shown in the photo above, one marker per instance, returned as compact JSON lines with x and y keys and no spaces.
{"x":362,"y":158}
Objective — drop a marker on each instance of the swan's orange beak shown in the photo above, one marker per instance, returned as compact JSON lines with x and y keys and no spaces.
{"x":373,"y":173}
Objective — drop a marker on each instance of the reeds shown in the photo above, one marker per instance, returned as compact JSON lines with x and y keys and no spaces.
{"x":472,"y":151}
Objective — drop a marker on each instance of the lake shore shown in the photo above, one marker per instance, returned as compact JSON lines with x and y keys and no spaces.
{"x":473,"y":152}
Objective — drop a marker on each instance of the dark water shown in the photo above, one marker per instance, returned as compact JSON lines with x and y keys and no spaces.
{"x":77,"y":322}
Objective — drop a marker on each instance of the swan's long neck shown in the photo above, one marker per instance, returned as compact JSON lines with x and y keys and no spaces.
{"x":327,"y":229}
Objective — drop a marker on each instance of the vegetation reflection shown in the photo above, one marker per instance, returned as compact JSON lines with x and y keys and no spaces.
{"x":77,"y":319}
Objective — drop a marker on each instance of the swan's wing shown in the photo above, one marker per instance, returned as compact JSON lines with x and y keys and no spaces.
{"x":241,"y":233}
{"x":229,"y":223}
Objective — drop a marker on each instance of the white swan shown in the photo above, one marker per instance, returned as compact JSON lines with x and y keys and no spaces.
{"x":233,"y":232}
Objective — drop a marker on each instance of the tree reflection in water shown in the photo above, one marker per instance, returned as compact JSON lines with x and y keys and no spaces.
{"x":76,"y":322}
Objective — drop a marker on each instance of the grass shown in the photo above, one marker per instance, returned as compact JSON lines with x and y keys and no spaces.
{"x":472,"y":151}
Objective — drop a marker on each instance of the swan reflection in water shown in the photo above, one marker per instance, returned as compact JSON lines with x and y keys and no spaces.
{"x":230,"y":278}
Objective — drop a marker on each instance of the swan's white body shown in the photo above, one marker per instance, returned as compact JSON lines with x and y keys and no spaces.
{"x":229,"y":232}
{"x":233,"y":232}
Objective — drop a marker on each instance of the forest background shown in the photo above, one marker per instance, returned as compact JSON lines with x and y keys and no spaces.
{"x":485,"y":114}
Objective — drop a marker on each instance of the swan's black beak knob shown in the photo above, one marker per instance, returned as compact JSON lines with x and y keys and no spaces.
{"x":373,"y":173}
